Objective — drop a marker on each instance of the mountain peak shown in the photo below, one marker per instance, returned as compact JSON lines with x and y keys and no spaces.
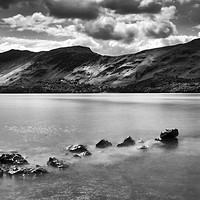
{"x":74,"y":49}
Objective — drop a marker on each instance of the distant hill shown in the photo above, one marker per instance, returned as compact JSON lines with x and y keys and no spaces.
{"x":77,"y":69}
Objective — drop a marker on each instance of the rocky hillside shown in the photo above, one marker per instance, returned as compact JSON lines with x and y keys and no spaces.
{"x":78,"y":69}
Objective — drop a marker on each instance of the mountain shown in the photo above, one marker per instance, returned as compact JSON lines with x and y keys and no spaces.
{"x":78,"y":69}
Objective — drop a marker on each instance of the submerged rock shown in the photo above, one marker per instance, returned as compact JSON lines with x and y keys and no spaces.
{"x":127,"y":142}
{"x":54,"y":162}
{"x":16,"y":170}
{"x":103,"y":144}
{"x":13,"y":159}
{"x":80,"y":155}
{"x":169,"y":134}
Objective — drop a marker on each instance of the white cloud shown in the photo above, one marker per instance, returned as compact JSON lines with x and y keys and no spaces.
{"x":41,"y":24}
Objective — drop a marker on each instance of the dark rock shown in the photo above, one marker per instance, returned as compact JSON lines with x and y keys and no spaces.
{"x":103,"y":144}
{"x":13,"y":159}
{"x":54,"y":162}
{"x":77,"y":148}
{"x":169,"y":134}
{"x":80,"y":155}
{"x":127,"y":142}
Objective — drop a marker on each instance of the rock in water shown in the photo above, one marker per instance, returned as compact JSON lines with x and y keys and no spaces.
{"x":13,"y":159}
{"x":103,"y":144}
{"x":15,"y":170}
{"x":80,"y":150}
{"x":77,"y":148}
{"x":127,"y":142}
{"x":169,"y":134}
{"x":54,"y":162}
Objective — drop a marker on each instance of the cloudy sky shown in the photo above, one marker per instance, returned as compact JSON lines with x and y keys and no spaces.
{"x":110,"y":27}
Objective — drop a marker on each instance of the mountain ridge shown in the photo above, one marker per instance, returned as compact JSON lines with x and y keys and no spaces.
{"x":79,"y":69}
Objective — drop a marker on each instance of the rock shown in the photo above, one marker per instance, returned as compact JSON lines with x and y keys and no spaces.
{"x":80,"y":155}
{"x":54,"y":162}
{"x":16,"y":170}
{"x":80,"y":150}
{"x":77,"y":148}
{"x":127,"y":142}
{"x":169,"y":134}
{"x":13,"y":159}
{"x":103,"y":144}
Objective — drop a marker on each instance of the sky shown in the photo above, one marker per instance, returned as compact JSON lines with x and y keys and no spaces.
{"x":108,"y":27}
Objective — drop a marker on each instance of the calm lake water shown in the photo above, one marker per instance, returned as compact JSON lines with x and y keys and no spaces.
{"x":40,"y":126}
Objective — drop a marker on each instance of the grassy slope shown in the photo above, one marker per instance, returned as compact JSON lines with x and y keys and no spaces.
{"x":78,"y":69}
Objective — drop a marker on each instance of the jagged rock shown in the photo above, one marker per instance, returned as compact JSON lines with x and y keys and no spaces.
{"x":127,"y":142}
{"x":77,"y":148}
{"x":80,"y":155}
{"x":103,"y":144}
{"x":54,"y":162}
{"x":16,"y":170}
{"x":13,"y":159}
{"x":169,"y":134}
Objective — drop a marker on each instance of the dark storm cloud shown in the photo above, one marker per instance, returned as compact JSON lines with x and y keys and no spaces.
{"x":110,"y":30}
{"x":82,"y":9}
{"x":5,"y":4}
{"x":133,"y":6}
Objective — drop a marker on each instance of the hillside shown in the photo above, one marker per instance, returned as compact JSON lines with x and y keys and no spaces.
{"x":78,"y":69}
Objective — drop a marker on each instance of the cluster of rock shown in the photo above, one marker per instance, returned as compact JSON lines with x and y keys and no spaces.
{"x":16,"y":170}
{"x":11,"y":164}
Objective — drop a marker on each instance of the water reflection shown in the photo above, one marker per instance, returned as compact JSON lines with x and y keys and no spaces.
{"x":41,"y":126}
{"x":170,"y":144}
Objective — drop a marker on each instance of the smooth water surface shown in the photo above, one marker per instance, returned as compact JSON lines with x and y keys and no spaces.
{"x":40,"y":126}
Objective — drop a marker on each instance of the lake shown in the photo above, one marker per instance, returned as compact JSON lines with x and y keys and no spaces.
{"x":40,"y":126}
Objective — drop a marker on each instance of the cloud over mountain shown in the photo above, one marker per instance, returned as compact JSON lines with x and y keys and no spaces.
{"x":108,"y":26}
